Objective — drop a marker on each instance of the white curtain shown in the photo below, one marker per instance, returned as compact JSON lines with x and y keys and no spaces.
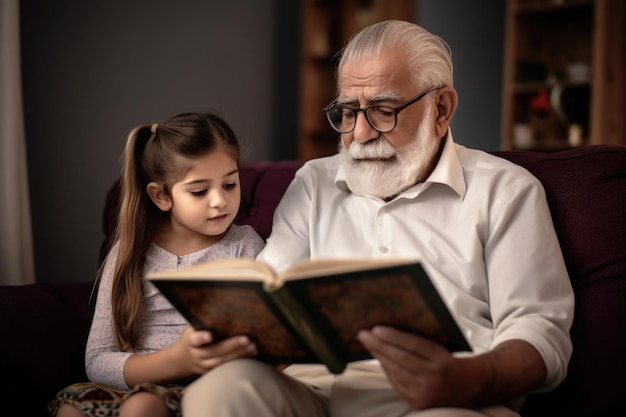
{"x":16,"y":249}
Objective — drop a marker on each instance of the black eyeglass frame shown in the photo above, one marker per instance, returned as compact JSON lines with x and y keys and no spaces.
{"x":356,"y":111}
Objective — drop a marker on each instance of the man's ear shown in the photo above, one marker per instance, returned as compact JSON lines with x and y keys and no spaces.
{"x":447,"y":102}
{"x":158,"y":196}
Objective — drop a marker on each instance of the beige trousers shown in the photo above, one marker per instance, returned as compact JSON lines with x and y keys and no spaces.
{"x":246,"y":387}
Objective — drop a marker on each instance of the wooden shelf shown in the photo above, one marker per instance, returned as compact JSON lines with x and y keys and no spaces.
{"x":546,"y":40}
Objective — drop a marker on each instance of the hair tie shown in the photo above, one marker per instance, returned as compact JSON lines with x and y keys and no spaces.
{"x":153,"y":128}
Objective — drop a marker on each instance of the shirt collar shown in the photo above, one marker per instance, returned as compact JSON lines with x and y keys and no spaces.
{"x":448,"y":171}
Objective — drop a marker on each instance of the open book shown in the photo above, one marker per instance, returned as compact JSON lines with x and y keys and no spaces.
{"x":313,"y":312}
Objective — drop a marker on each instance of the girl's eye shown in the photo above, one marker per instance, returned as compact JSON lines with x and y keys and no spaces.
{"x":200,"y":193}
{"x":230,"y":186}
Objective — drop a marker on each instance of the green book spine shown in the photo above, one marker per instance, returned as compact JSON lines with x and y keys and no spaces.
{"x":309,"y":330}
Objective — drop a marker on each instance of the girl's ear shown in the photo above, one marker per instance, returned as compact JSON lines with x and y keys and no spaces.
{"x":447,"y":102}
{"x":158,"y":196}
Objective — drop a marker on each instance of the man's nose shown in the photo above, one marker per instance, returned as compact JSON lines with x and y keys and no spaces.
{"x":363,"y":131}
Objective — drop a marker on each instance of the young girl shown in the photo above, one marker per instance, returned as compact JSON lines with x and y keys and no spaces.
{"x":180,"y":195}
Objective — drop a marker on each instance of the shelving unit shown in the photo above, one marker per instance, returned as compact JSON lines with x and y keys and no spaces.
{"x":564,"y":74}
{"x":327,"y":26}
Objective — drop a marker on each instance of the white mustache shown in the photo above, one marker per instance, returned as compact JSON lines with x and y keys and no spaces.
{"x":375,"y":149}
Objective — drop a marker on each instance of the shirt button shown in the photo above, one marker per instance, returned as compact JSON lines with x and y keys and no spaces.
{"x":383,"y":249}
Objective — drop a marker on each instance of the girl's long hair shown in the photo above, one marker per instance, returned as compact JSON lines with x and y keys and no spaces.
{"x":160,"y":153}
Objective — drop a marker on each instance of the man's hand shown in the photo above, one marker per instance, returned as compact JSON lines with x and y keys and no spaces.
{"x":426,"y":375}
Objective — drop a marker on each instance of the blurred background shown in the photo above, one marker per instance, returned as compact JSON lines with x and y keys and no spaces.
{"x":92,"y":70}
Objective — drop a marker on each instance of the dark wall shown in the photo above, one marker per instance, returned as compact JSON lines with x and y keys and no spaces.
{"x":475,"y":33}
{"x":94,"y":70}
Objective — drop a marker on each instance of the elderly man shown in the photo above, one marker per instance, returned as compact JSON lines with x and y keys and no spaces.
{"x":401,"y":187}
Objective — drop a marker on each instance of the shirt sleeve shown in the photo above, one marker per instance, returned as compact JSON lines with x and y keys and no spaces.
{"x":530,"y":293}
{"x":247,"y":242}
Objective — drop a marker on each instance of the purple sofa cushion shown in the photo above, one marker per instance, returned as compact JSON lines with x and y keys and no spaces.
{"x":586,"y":191}
{"x":262,"y":186}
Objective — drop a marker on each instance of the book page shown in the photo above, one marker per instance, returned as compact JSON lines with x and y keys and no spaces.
{"x":323,"y":267}
{"x":233,"y":269}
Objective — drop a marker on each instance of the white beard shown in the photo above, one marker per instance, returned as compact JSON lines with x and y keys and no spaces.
{"x":377,"y":169}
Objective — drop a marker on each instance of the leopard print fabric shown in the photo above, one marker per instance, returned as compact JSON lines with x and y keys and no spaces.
{"x":96,"y":400}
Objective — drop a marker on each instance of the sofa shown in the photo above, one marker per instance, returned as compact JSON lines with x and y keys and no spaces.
{"x":46,"y":324}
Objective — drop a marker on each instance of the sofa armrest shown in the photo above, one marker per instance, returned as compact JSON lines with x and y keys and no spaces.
{"x":45,"y":328}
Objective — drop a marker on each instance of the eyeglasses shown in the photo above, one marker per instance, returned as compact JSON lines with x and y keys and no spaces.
{"x":381,"y":118}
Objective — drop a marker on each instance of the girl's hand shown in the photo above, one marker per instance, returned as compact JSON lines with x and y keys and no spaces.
{"x":193,"y":354}
{"x":196,"y":352}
